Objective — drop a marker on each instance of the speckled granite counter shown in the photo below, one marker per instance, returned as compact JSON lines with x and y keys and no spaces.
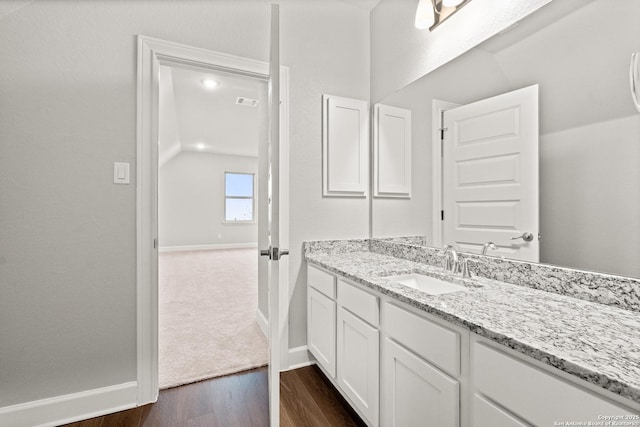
{"x":595,"y":342}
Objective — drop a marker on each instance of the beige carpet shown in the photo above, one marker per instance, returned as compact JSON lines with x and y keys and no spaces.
{"x":207,"y":315}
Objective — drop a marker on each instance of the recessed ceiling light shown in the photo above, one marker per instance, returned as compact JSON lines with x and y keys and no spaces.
{"x":210,"y":83}
{"x":200,"y":146}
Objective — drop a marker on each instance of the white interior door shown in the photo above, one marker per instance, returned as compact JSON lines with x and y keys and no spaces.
{"x":274,"y":252}
{"x":490,"y":175}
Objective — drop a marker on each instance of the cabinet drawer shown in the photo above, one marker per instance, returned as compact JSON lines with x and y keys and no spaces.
{"x":322,"y":281}
{"x":359,"y":302}
{"x":434,"y":343}
{"x":536,"y":396}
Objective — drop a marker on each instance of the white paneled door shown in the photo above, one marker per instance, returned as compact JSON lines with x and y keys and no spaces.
{"x":490,"y":175}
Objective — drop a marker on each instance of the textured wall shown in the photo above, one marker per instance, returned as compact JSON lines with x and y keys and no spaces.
{"x":68,"y":111}
{"x":191,"y":203}
{"x":326,"y":46}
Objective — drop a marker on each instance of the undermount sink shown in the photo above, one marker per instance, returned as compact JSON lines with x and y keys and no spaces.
{"x":427,"y":284}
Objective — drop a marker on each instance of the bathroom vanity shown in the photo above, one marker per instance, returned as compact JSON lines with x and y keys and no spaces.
{"x":488,"y":353}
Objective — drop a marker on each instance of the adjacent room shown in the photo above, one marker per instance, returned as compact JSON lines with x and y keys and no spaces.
{"x":209,"y":136}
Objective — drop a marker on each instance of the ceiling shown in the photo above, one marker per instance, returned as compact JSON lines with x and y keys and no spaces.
{"x":194,"y":118}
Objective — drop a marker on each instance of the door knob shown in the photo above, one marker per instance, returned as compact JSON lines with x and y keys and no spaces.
{"x":274,"y":253}
{"x":527,"y":237}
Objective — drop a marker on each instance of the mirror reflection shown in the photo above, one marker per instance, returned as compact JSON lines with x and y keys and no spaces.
{"x":578,"y":54}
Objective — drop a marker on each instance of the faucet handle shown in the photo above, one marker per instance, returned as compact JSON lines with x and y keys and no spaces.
{"x":464,"y":267}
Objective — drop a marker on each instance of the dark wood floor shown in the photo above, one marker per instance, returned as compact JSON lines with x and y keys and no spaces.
{"x":307,"y":399}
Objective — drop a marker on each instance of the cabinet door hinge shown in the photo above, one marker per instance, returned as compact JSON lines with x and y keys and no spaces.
{"x":441,"y":215}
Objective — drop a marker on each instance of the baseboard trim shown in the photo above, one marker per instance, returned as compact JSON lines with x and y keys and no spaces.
{"x":207,"y":247}
{"x":299,"y":357}
{"x":68,"y":408}
{"x":262,"y":323}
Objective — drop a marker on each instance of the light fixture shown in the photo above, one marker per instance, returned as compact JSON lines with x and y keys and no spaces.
{"x":431,"y":13}
{"x":451,"y":3}
{"x":210,"y":83}
{"x":200,"y":146}
{"x":424,"y":15}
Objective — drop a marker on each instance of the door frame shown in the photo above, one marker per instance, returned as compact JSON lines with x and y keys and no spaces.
{"x":152,"y":53}
{"x":438,"y":107}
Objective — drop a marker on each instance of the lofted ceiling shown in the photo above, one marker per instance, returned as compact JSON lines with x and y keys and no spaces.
{"x":195,"y":118}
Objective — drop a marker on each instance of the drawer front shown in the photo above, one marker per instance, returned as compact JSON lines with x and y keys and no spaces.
{"x":436,"y":344}
{"x":486,"y":413}
{"x":536,"y":396}
{"x":359,"y":302}
{"x":322,"y":281}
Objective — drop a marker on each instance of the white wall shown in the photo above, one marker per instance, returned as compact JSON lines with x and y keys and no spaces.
{"x":68,"y":111}
{"x":326,"y":46}
{"x":191,"y":188}
{"x":400,"y":53}
{"x":590,"y":196}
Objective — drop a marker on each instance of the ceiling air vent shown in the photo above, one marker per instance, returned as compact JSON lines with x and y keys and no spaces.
{"x":247,"y":101}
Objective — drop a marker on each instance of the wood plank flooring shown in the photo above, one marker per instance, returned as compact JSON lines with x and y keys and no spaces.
{"x":307,"y":399}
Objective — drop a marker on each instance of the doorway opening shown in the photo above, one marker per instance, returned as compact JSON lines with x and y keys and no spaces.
{"x":211,"y":127}
{"x":152,"y":54}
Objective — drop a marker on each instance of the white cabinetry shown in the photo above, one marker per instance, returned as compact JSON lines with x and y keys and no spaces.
{"x":415,"y":393}
{"x":398,"y":367}
{"x":321,"y":315}
{"x":523,"y":394}
{"x":358,"y":363}
{"x":343,"y":336}
{"x":322,"y":330}
{"x":345,"y":147}
{"x":421,"y":368}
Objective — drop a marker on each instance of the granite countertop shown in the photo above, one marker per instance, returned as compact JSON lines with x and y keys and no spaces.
{"x":595,"y":342}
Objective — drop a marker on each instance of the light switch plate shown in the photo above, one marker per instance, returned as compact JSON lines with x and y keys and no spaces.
{"x":121,"y":173}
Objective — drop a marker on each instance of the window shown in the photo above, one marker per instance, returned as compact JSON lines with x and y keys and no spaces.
{"x":238,"y":197}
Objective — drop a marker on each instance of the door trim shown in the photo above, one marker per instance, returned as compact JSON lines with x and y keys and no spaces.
{"x":152,"y":53}
{"x":438,"y":107}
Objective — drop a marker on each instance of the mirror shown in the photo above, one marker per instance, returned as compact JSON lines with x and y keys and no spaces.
{"x":579,"y":53}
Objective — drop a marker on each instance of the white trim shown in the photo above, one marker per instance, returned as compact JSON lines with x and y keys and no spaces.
{"x":299,"y":357}
{"x":262,"y":323}
{"x":72,"y":407}
{"x":207,"y":247}
{"x":437,"y":108}
{"x":151,"y":54}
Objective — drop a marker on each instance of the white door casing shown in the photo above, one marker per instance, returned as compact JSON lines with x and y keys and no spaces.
{"x":152,"y":53}
{"x":490,"y":174}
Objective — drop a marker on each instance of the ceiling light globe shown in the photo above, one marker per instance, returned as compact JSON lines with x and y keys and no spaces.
{"x":451,"y":3}
{"x":424,"y":15}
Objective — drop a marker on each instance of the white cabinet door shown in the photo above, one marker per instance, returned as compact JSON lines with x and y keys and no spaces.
{"x":358,"y":363}
{"x":391,"y":152}
{"x":345,"y":147}
{"x":486,"y":413}
{"x":321,"y":329}
{"x":414,"y":393}
{"x":533,"y":395}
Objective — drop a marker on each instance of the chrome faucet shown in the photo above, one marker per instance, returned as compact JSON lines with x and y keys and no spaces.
{"x":487,"y":246}
{"x":450,"y":259}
